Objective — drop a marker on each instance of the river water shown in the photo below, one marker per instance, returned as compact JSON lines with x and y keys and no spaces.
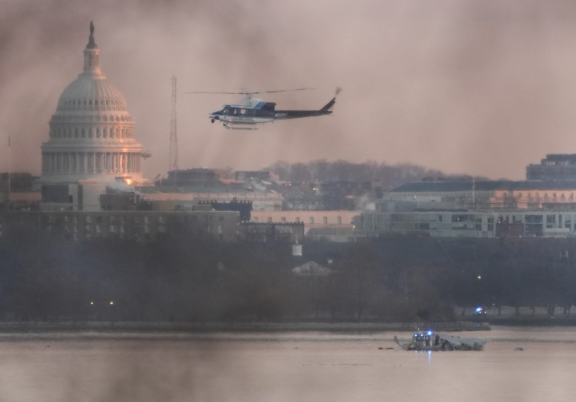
{"x":284,"y":367}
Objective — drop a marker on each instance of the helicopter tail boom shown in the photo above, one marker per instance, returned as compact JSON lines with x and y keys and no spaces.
{"x":296,"y":114}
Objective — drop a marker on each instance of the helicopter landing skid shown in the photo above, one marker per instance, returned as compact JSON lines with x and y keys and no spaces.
{"x":231,"y":126}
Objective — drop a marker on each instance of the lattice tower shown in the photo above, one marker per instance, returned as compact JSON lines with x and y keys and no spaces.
{"x":173,"y":161}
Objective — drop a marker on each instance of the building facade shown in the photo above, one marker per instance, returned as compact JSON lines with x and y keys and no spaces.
{"x":129,"y":225}
{"x":485,"y":195}
{"x":470,"y":224}
{"x":272,"y":232}
{"x":428,"y":223}
{"x":310,"y":219}
{"x":186,"y":201}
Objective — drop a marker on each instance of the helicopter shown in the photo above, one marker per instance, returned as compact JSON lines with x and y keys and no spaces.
{"x":250,"y":111}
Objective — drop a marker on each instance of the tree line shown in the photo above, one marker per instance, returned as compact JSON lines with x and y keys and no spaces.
{"x":46,"y":278}
{"x":389,"y":176}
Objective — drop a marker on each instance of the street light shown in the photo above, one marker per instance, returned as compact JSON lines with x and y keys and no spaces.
{"x":111,"y":312}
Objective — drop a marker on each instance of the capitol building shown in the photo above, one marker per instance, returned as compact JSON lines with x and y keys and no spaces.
{"x":92,"y":144}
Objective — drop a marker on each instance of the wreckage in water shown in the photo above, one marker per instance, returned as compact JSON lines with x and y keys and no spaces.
{"x":430,"y":340}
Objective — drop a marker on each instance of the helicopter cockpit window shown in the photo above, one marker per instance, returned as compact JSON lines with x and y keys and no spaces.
{"x":226,"y":110}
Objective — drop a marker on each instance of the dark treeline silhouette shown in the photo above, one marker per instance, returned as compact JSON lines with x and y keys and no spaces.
{"x":389,"y":176}
{"x":46,"y":278}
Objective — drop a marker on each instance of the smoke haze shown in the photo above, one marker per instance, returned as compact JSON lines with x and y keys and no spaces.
{"x":465,"y":86}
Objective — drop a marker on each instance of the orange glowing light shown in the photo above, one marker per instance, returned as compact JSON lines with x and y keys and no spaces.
{"x":111,"y":302}
{"x":128,"y":181}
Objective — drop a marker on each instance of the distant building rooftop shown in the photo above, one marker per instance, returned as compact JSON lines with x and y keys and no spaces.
{"x":553,"y":167}
{"x":506,"y":185}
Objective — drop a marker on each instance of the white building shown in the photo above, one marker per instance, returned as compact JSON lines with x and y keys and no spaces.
{"x":470,"y":224}
{"x":91,"y":142}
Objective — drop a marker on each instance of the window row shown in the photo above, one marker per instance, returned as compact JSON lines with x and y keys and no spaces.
{"x":537,"y":195}
{"x":121,"y":133}
{"x":90,"y":102}
{"x":298,"y":220}
{"x":60,"y":118}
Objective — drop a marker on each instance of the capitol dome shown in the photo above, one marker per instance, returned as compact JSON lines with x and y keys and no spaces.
{"x":91,"y":133}
{"x":97,"y":91}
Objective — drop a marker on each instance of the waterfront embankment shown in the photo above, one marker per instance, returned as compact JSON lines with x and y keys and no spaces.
{"x":103,"y":326}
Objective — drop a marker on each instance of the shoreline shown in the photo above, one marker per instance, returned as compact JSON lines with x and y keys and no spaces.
{"x":182,"y":327}
{"x":7,"y":328}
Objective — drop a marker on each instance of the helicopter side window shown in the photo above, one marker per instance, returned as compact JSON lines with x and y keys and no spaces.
{"x":235,"y":112}
{"x":242,"y":112}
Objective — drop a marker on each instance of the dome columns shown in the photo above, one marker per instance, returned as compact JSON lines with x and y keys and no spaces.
{"x":90,"y":163}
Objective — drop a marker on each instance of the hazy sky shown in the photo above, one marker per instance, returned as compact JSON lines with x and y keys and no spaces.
{"x":467,"y":86}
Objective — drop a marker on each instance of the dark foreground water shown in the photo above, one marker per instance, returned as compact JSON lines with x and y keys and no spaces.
{"x":284,"y":367}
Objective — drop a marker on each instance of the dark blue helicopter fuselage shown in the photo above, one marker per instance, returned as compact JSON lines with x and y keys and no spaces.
{"x":263,"y":112}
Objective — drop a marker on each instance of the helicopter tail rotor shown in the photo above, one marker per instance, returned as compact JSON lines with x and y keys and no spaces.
{"x":329,"y":105}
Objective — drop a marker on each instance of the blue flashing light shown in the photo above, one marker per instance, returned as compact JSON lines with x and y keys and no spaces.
{"x":429,"y":332}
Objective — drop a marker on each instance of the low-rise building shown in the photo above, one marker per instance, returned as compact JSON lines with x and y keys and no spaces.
{"x":136,"y":225}
{"x":487,"y":195}
{"x":278,"y":232}
{"x":471,"y":224}
{"x":310,"y":219}
{"x":556,"y":167}
{"x":430,"y":223}
{"x":17,"y":201}
{"x":246,"y":175}
{"x":186,"y":201}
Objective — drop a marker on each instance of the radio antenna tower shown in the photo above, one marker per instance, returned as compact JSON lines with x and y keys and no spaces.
{"x":173,"y":162}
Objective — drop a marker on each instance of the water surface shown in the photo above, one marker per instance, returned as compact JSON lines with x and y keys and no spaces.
{"x":284,"y":367}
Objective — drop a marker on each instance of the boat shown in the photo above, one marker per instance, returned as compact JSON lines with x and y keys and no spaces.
{"x":439,"y":341}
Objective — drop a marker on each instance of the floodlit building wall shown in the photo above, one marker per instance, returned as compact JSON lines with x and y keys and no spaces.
{"x":512,"y":195}
{"x":311,"y":219}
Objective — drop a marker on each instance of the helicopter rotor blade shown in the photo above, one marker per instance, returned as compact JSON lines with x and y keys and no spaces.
{"x":249,"y":93}
{"x":282,"y":90}
{"x":221,"y":93}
